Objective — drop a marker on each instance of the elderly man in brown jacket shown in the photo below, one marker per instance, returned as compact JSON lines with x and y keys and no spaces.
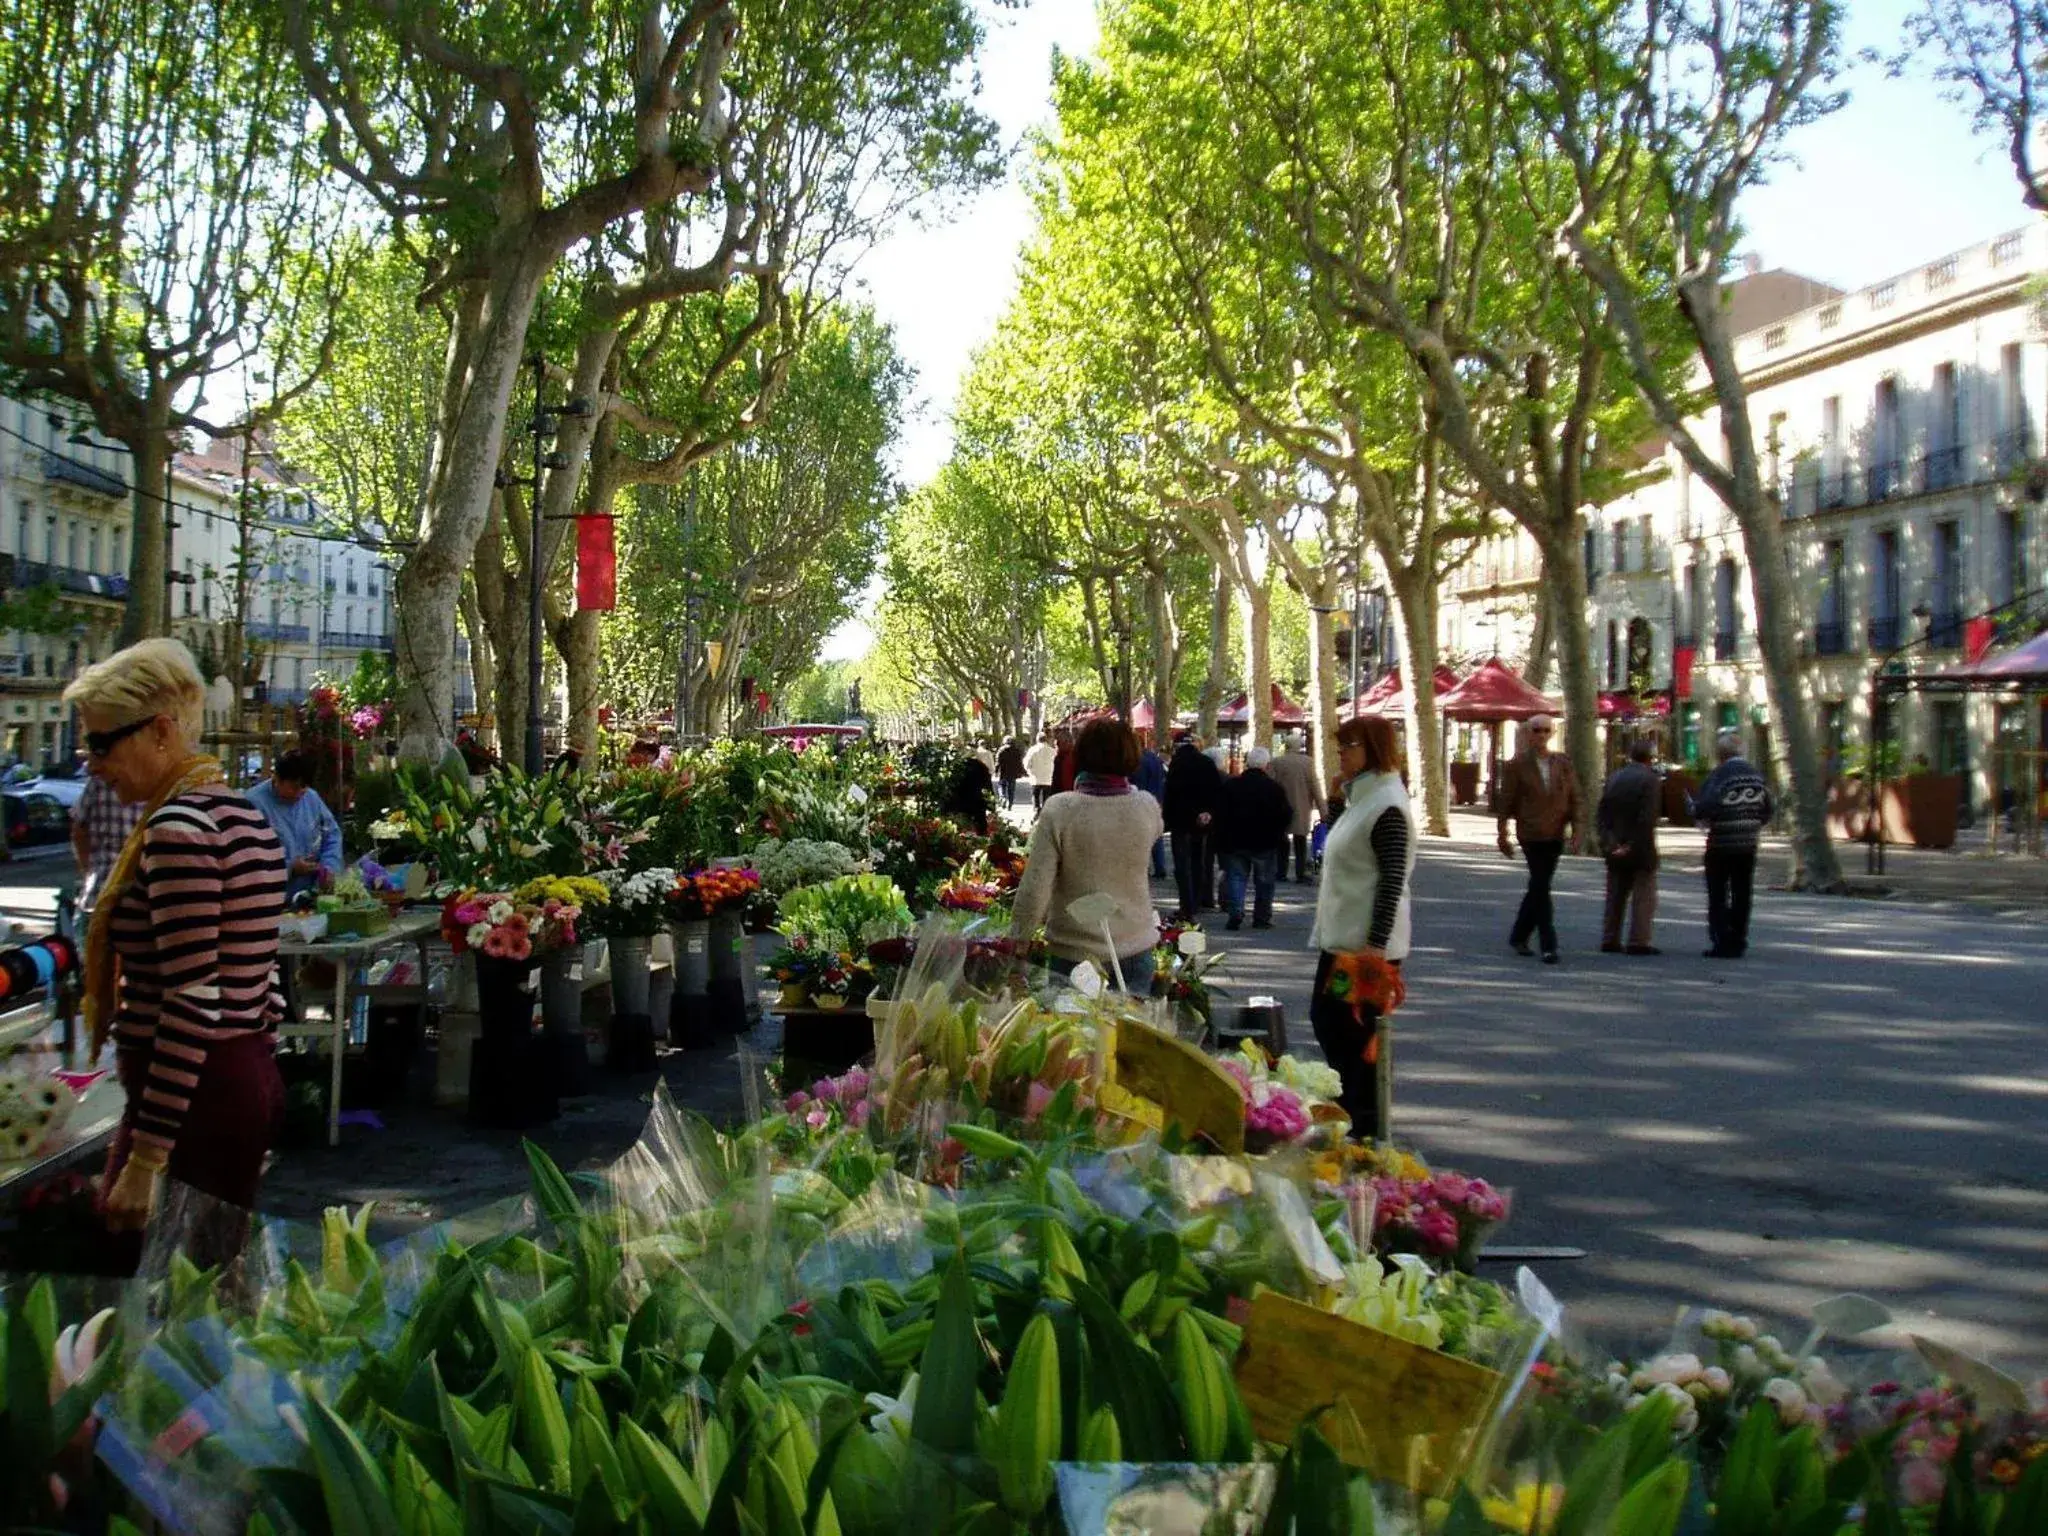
{"x":1540,"y":794}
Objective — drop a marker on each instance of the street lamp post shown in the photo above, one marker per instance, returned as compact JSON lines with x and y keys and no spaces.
{"x":542,"y":427}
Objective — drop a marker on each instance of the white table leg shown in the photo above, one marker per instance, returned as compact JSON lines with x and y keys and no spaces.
{"x":340,"y":1049}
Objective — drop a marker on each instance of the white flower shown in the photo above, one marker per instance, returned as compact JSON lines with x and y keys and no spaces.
{"x":478,"y":932}
{"x":477,"y":839}
{"x":1673,"y":1370}
{"x":1687,"y":1421}
{"x":895,"y":1412}
{"x":1192,"y":942}
{"x":499,"y":912}
{"x":1789,"y":1398}
{"x":1717,"y":1381}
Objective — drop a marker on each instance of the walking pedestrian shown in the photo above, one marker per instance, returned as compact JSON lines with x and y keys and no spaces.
{"x":1296,"y":775}
{"x":1194,"y":790}
{"x":1096,"y":839}
{"x":1733,"y":805}
{"x":100,"y":824}
{"x":1151,"y":778}
{"x":1039,"y":763}
{"x":1251,"y":833}
{"x":1539,"y":793}
{"x":181,"y":960}
{"x":1063,"y":767}
{"x":1009,"y":769}
{"x":1362,"y":923}
{"x":970,"y":792}
{"x":1627,"y":821}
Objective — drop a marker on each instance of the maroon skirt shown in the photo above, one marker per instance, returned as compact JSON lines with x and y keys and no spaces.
{"x":237,"y":1108}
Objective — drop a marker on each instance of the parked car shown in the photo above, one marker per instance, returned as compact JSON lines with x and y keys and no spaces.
{"x":34,"y":818}
{"x":65,"y":791}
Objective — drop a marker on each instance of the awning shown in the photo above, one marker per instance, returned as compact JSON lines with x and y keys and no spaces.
{"x":1384,"y":696}
{"x":1285,"y":711}
{"x":2026,"y":663}
{"x":1624,"y":705}
{"x":1495,"y":691}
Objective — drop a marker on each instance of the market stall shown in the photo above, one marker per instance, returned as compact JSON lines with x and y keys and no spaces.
{"x":1492,"y":694}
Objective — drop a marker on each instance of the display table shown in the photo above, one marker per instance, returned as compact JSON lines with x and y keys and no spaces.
{"x":346,"y":952}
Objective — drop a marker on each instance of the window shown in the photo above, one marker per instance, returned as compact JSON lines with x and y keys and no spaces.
{"x":1884,"y":589}
{"x":1830,"y":636}
{"x":1774,"y":451}
{"x":273,"y":611}
{"x":298,"y":673}
{"x":120,"y":556}
{"x":1946,"y":628}
{"x":1686,"y":529}
{"x":190,"y":581}
{"x":92,"y":547}
{"x":1949,"y":736}
{"x":1884,"y":440}
{"x":50,"y":539}
{"x":1944,"y":431}
{"x":2012,"y":408}
{"x":1725,"y":618}
{"x":2012,"y":554}
{"x":72,"y":548}
{"x":1691,"y":628}
{"x":1620,"y":544}
{"x":21,"y":534}
{"x":1592,"y":556}
{"x":1613,"y":654}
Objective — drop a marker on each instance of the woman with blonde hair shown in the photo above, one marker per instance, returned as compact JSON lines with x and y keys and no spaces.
{"x":181,"y":959}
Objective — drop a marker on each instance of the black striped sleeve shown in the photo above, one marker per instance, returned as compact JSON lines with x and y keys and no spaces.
{"x":1390,"y":848}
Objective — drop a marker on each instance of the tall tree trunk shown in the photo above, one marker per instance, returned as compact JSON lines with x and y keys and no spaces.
{"x":582,"y":662}
{"x":1219,"y":657}
{"x":1564,"y":569}
{"x":1537,"y":668}
{"x":1322,"y":684}
{"x":429,"y":585}
{"x":1415,"y":604}
{"x":149,"y":609}
{"x":1165,"y":655}
{"x":1256,"y":598}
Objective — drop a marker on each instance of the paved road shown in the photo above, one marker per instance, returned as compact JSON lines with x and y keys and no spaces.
{"x":1862,"y":1104}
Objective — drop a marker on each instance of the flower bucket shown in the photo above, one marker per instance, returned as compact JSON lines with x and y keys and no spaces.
{"x":730,"y":983}
{"x":692,"y":939}
{"x":561,"y":1013}
{"x":792,"y":995}
{"x":631,"y":974}
{"x":510,"y":1086}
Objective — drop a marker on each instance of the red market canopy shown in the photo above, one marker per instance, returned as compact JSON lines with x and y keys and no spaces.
{"x":1495,"y":691}
{"x":1142,"y":718}
{"x":1285,"y":710}
{"x":1384,"y":696}
{"x":2026,"y":663}
{"x":1626,"y":706}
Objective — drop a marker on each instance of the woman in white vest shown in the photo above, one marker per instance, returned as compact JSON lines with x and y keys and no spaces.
{"x":1362,"y":919}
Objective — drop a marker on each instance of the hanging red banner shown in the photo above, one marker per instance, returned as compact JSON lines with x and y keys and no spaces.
{"x":1681,"y":671}
{"x":597,"y":563}
{"x":1977,"y":637}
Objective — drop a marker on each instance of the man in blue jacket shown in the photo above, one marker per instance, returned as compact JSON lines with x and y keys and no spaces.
{"x":295,"y":811}
{"x":1733,"y":805}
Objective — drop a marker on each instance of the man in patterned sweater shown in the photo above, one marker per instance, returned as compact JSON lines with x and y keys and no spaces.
{"x":1733,"y":805}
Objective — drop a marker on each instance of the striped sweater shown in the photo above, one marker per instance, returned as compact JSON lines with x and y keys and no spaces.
{"x":197,"y":935}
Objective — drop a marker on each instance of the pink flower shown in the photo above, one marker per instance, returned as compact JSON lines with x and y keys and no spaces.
{"x":522,"y":947}
{"x":469,"y":913}
{"x":825,"y":1089}
{"x":857,"y":1117}
{"x":1276,"y":1112}
{"x":853,"y":1085}
{"x":1921,"y":1481}
{"x":1438,"y":1230}
{"x":818,"y":1118}
{"x":1036,"y":1098}
{"x":796,"y":1101}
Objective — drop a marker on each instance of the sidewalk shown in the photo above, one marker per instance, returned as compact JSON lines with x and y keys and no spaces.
{"x":2010,"y":885}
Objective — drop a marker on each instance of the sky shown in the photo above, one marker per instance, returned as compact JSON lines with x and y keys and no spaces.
{"x":1888,"y":183}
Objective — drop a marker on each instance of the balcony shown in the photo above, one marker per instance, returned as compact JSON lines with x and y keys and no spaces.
{"x":2010,"y":452}
{"x":1510,"y":563}
{"x":1945,"y":629}
{"x":1884,"y":480}
{"x":65,"y":470}
{"x":1883,"y":631}
{"x":1724,"y":645}
{"x":356,"y":640}
{"x":35,"y":573}
{"x":1830,"y":639}
{"x":279,"y":634}
{"x":1942,"y":469}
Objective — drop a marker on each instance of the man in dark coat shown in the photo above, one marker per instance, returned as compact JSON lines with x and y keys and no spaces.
{"x":1194,"y":792}
{"x":1009,"y":769}
{"x":1627,"y":820}
{"x":1250,"y":834}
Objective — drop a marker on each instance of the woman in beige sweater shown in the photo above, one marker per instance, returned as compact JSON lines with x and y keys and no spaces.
{"x":1098,"y":837}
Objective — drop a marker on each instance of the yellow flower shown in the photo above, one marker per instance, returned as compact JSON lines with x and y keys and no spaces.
{"x":1530,"y":1512}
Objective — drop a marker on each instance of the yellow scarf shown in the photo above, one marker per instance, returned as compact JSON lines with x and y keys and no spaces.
{"x":102,"y":964}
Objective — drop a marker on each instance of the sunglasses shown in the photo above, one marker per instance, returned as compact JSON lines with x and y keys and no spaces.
{"x":102,"y":743}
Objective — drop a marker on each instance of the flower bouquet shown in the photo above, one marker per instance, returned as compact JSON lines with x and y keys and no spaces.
{"x":705,"y":893}
{"x":489,"y":923}
{"x":554,"y":906}
{"x":633,"y":903}
{"x":1180,"y":971}
{"x":1445,"y":1216}
{"x":793,"y":966}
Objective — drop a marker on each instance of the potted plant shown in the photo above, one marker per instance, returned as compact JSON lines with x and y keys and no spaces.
{"x":1464,"y":778}
{"x":1924,"y":807}
{"x":792,"y":967}
{"x":832,"y":984}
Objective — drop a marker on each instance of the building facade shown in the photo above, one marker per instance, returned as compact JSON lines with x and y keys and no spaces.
{"x":315,"y":603}
{"x":1901,"y":428}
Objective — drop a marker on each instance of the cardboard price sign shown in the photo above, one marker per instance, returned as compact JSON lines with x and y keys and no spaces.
{"x":1404,"y":1413}
{"x":1194,"y":1093}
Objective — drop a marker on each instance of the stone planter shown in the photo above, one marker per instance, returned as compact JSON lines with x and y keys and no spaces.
{"x":1921,"y":809}
{"x":1676,"y":807}
{"x":1464,"y":783}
